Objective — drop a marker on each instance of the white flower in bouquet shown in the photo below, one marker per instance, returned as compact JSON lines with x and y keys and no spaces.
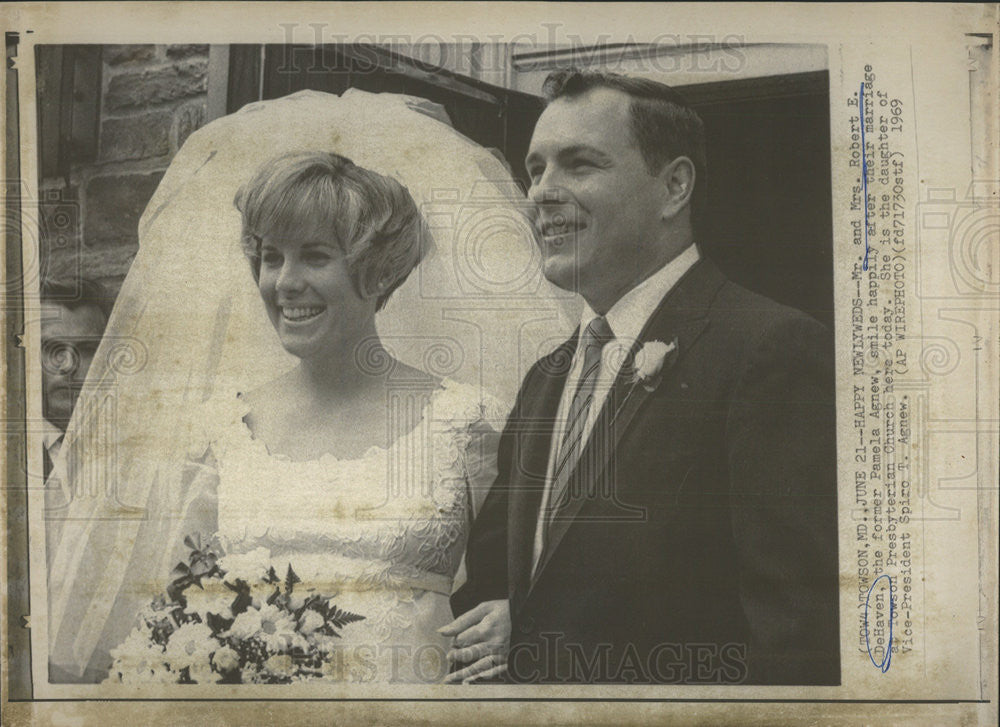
{"x":226,"y":659}
{"x":245,"y":626}
{"x":136,"y":645}
{"x":277,"y":630}
{"x":270,"y":617}
{"x":156,"y":619}
{"x":138,"y":660}
{"x":280,"y":665}
{"x":189,"y":646}
{"x":151,"y":672}
{"x":212,"y":597}
{"x":250,"y":567}
{"x":274,"y":627}
{"x":310,"y":621}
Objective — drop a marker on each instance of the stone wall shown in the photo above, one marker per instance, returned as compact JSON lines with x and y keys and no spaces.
{"x":152,"y":98}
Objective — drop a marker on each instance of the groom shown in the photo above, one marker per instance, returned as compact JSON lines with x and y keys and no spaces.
{"x":666,"y":505}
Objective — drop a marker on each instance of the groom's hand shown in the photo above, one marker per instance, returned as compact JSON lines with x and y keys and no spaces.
{"x":481,"y":640}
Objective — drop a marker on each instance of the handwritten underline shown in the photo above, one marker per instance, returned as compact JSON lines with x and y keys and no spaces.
{"x":864,"y":169}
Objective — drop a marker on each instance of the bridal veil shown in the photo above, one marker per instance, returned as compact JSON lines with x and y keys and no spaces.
{"x":188,"y":325}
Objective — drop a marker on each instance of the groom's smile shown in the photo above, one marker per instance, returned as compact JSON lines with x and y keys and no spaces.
{"x":598,"y":205}
{"x":560,"y":227}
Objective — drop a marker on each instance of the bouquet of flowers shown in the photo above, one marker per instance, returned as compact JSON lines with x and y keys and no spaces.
{"x":232,"y":620}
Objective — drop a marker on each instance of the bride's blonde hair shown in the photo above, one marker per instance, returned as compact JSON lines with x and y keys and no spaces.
{"x":372,"y":218}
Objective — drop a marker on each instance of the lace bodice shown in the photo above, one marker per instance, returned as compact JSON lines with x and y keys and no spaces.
{"x":377,"y":533}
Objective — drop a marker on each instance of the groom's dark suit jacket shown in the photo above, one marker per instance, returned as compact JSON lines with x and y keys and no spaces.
{"x":705,"y":550}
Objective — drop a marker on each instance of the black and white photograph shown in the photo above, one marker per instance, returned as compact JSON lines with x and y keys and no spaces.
{"x":389,"y":369}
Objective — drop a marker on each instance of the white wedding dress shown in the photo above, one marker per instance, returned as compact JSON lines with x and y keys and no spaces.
{"x":382,"y":535}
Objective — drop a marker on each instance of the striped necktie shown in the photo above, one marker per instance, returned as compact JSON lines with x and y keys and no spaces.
{"x":593,"y":340}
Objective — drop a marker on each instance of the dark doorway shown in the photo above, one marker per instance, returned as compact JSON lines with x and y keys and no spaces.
{"x":770,"y":225}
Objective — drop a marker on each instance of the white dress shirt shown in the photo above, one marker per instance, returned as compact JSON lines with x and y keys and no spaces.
{"x":626,"y":319}
{"x":52,"y":437}
{"x":56,"y":487}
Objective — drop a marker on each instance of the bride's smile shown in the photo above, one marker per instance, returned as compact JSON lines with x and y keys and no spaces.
{"x":299,"y":314}
{"x":310,"y":295}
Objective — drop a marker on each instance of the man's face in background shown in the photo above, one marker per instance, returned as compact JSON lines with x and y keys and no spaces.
{"x":69,"y":340}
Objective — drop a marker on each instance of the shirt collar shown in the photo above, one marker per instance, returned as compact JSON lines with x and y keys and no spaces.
{"x":51,"y":436}
{"x":628,"y":316}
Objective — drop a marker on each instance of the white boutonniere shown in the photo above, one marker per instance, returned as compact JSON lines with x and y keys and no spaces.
{"x":649,"y":362}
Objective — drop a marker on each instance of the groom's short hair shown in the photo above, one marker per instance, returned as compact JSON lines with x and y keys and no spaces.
{"x":663,"y":124}
{"x":373,"y":218}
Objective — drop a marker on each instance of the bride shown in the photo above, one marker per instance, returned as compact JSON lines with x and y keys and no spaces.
{"x":330,"y":471}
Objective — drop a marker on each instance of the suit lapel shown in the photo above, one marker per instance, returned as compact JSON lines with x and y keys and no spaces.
{"x":534,"y":430}
{"x":683,"y":314}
